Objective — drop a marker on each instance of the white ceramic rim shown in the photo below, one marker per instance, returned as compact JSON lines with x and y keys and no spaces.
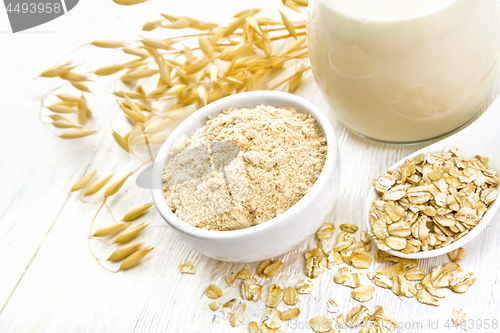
{"x":279,"y":221}
{"x":483,"y":223}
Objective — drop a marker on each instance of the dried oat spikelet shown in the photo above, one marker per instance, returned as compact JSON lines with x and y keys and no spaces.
{"x":73,"y":77}
{"x":178,"y":24}
{"x":187,"y":267}
{"x":113,"y":188}
{"x":57,"y":70}
{"x":124,"y":251}
{"x":137,"y":212}
{"x":252,"y":22}
{"x":82,"y":110}
{"x":58,"y":108}
{"x":109,"y":229}
{"x":68,"y":98}
{"x":233,"y":25}
{"x":202,"y":92}
{"x":120,"y":140}
{"x":108,"y":43}
{"x":81,"y":86}
{"x":213,"y":292}
{"x":108,"y":70}
{"x":76,"y":133}
{"x":197,"y":65}
{"x":152,"y":25}
{"x":292,"y":5}
{"x":136,"y":51}
{"x":156,"y":43}
{"x":132,"y":114}
{"x":288,"y":25}
{"x":65,"y":124}
{"x":95,"y":187}
{"x":130,"y":234}
{"x":134,"y":258}
{"x":296,"y":44}
{"x":303,"y":3}
{"x":82,"y":182}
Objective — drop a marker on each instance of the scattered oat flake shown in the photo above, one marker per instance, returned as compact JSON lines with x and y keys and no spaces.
{"x":347,"y":278}
{"x":214,"y":292}
{"x":325,"y":232}
{"x":275,"y":296}
{"x":253,"y":327}
{"x":456,"y":255}
{"x":460,"y":281}
{"x":415,"y":274}
{"x":332,"y":306}
{"x":187,"y":267}
{"x":425,"y":298}
{"x":349,"y":228}
{"x":262,"y":266}
{"x":229,"y":303}
{"x":361,"y":259}
{"x":273,"y":268}
{"x":230,"y":278}
{"x":290,"y":314}
{"x":290,"y":296}
{"x":363,"y":293}
{"x":245,"y":275}
{"x":214,"y":305}
{"x":321,"y":324}
{"x":273,"y":320}
{"x":238,"y":315}
{"x":250,"y":291}
{"x":304,"y":287}
{"x":458,"y":316}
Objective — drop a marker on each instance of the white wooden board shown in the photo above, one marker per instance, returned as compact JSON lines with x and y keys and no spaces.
{"x":48,"y":280}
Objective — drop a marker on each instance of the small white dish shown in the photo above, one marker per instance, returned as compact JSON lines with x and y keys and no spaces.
{"x":276,"y":236}
{"x":482,"y":137}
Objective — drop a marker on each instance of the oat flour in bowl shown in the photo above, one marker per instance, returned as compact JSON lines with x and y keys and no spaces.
{"x":244,"y":167}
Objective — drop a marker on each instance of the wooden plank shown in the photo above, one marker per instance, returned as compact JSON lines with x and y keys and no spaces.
{"x":50,"y":283}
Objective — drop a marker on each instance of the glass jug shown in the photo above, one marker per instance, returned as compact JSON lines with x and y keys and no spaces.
{"x":404,"y":70}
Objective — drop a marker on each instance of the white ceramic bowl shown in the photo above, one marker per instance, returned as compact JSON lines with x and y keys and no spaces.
{"x":274,"y":237}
